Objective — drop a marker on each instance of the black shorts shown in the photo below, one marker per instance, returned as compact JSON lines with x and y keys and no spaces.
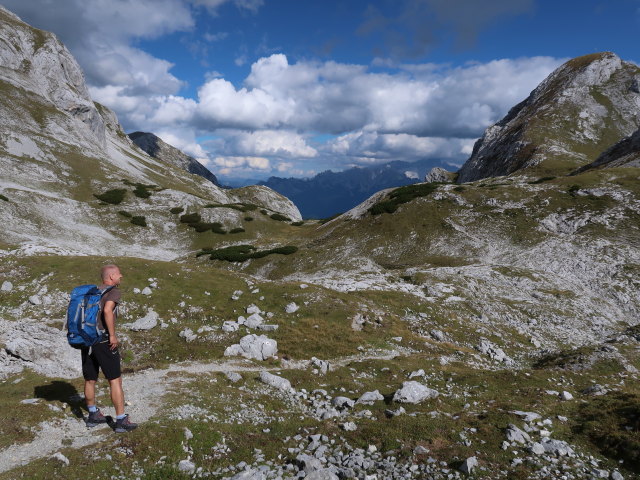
{"x":101,"y":357}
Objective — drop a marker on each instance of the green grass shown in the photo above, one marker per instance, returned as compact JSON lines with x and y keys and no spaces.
{"x":241,"y":207}
{"x":114,"y":196}
{"x":402,"y":195}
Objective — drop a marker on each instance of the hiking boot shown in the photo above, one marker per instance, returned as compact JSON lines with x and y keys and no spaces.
{"x":95,"y":418}
{"x":125,"y":425}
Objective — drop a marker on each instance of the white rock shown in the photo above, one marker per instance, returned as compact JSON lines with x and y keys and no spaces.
{"x":267,"y":328}
{"x":146,"y":291}
{"x":187,"y":434}
{"x":417,"y":373}
{"x":35,"y":300}
{"x":188,"y":335}
{"x":437,"y":174}
{"x":469,"y":464}
{"x":304,"y":285}
{"x":230,"y":326}
{"x":234,"y":377}
{"x":254,"y":346}
{"x":254,"y":320}
{"x":616,"y":475}
{"x":291,"y":307}
{"x":537,"y":448}
{"x":251,"y":309}
{"x":414,"y":392}
{"x":186,"y":466}
{"x":61,"y":458}
{"x":136,"y":290}
{"x":7,"y":286}
{"x":349,"y":427}
{"x":149,"y":321}
{"x":251,"y":474}
{"x":369,"y":398}
{"x":342,"y":402}
{"x":275,"y":381}
{"x":514,"y":434}
{"x":566,"y":396}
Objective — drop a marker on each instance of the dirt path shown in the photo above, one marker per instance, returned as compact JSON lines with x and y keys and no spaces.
{"x":144,"y":392}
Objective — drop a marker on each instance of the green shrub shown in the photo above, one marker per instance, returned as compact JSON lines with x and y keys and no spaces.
{"x":541,"y":180}
{"x":2,"y":197}
{"x":459,"y":188}
{"x":142,"y":191}
{"x":190,"y":218}
{"x":241,"y":253}
{"x":114,"y":197}
{"x":139,"y":220}
{"x":573,"y":189}
{"x":237,"y":230}
{"x":264,"y":212}
{"x":297,"y":224}
{"x":402,"y":195}
{"x":176,"y":210}
{"x":216,"y":227}
{"x":125,"y":214}
{"x":279,"y":217}
{"x":248,"y":219}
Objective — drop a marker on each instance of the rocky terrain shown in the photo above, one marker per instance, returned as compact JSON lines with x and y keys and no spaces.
{"x":437,"y":330}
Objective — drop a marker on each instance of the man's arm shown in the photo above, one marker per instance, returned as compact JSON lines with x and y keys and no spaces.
{"x":110,"y":323}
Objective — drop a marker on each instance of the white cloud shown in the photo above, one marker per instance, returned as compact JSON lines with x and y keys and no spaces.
{"x":273,"y":143}
{"x":257,"y":163}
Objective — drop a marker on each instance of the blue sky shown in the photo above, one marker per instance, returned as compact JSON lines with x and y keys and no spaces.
{"x":254,"y":88}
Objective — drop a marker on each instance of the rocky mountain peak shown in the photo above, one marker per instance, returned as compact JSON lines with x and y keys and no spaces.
{"x":582,"y":108}
{"x":157,"y":148}
{"x":36,"y":61}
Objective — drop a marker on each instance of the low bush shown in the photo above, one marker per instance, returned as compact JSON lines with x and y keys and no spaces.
{"x":297,"y":224}
{"x":3,"y":198}
{"x":264,"y":212}
{"x":541,"y":180}
{"x":248,"y":219}
{"x":176,"y":210}
{"x":141,"y":190}
{"x":237,"y":230}
{"x":190,"y":218}
{"x":125,"y":214}
{"x":279,"y":217}
{"x":114,"y":197}
{"x":139,"y":220}
{"x":217,"y":228}
{"x":573,"y":189}
{"x":402,"y":195}
{"x":459,"y":188}
{"x":241,"y":253}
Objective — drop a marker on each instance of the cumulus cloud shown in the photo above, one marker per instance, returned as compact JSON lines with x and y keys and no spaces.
{"x":272,"y":143}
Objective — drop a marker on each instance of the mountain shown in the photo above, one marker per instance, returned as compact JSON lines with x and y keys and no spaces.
{"x":73,"y":181}
{"x":157,"y":148}
{"x":329,"y":193}
{"x":582,"y":108}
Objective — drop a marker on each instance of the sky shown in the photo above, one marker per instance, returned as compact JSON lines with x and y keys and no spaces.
{"x":255,"y":88}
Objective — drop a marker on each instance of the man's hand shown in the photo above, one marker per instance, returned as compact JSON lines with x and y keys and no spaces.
{"x":113,"y":342}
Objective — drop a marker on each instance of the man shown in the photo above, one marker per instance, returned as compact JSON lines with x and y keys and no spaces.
{"x":105,"y":355}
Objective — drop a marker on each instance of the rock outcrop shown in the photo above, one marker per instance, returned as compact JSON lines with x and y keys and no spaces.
{"x":157,"y":148}
{"x":625,"y":153}
{"x":580,"y":110}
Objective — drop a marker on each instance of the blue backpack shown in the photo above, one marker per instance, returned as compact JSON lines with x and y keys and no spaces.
{"x":83,"y":314}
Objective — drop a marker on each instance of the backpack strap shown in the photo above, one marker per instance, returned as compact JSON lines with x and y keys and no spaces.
{"x":99,"y":324}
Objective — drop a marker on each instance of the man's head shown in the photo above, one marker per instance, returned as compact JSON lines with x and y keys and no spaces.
{"x":110,"y":275}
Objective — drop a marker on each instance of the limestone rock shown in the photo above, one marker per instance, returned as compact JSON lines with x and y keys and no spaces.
{"x":414,"y":392}
{"x":437,"y":174}
{"x":186,"y":466}
{"x":275,"y":381}
{"x":149,"y":321}
{"x":146,"y":291}
{"x":514,"y":434}
{"x":258,"y":347}
{"x":369,"y":398}
{"x":7,"y":286}
{"x":61,"y":458}
{"x":291,"y":307}
{"x":469,"y":464}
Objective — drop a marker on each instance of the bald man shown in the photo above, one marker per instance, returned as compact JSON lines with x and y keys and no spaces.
{"x":105,"y":355}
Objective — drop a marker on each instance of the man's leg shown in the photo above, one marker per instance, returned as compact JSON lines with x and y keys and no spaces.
{"x":90,"y":393}
{"x":117,"y":395}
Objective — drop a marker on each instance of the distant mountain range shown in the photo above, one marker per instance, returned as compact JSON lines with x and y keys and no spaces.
{"x":329,"y":193}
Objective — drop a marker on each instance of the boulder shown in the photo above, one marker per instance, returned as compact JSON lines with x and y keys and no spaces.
{"x":254,"y":321}
{"x":251,"y":309}
{"x":514,"y":434}
{"x":7,"y":286}
{"x":186,"y":466}
{"x":342,"y":402}
{"x":322,"y":474}
{"x":60,"y":458}
{"x":414,"y":392}
{"x":275,"y":381}
{"x":188,"y":335}
{"x":147,"y":322}
{"x":437,"y":174}
{"x":230,"y":326}
{"x":146,"y":291}
{"x":469,"y":464}
{"x":369,"y":398}
{"x":233,"y":377}
{"x":291,"y":307}
{"x":258,"y":347}
{"x":252,"y":474}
